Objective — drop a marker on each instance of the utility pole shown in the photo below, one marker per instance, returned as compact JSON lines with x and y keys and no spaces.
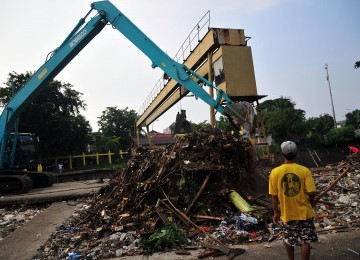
{"x":332,"y":102}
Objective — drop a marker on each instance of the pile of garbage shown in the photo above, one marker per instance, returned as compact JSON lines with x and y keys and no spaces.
{"x":186,"y":184}
{"x":205,"y":191}
{"x":338,"y":206}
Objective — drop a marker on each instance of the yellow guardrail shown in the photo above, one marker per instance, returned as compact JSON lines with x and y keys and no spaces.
{"x":83,"y":157}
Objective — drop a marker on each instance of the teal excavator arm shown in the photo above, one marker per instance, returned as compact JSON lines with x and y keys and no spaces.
{"x":79,"y":37}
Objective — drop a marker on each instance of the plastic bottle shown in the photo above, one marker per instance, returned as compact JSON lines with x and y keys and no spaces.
{"x":249,"y":219}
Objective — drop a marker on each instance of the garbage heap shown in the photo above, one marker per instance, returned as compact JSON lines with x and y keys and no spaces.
{"x":338,"y":207}
{"x":186,"y":184}
{"x":179,"y":197}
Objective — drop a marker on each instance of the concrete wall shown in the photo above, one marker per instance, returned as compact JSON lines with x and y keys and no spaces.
{"x":327,"y":156}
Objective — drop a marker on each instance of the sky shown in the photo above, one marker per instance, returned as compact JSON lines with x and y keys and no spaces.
{"x":291,"y":42}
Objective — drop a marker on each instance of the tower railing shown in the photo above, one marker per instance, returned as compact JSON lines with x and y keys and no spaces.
{"x":189,"y":44}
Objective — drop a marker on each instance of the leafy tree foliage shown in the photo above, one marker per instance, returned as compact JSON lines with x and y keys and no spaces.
{"x":320,"y":125}
{"x":102,"y":144}
{"x":197,"y":126}
{"x":340,"y":136}
{"x":277,"y":104}
{"x":53,"y":115}
{"x":224,"y":124}
{"x":118,"y":123}
{"x":353,"y":119}
{"x":282,"y":120}
{"x":318,"y":128}
{"x":357,"y":65}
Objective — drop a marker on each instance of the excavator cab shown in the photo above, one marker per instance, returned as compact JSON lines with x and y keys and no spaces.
{"x":27,"y":151}
{"x":21,"y":175}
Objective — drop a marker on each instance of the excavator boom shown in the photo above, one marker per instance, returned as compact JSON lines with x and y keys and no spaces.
{"x":59,"y":59}
{"x":79,"y":37}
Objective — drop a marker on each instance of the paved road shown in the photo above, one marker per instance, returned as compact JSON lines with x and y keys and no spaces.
{"x":57,"y":192}
{"x":24,"y":241}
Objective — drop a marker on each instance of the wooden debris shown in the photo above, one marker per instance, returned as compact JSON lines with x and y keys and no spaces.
{"x":199,"y":192}
{"x":333,"y":184}
{"x":181,"y":180}
{"x":207,"y":217}
{"x":189,"y":182}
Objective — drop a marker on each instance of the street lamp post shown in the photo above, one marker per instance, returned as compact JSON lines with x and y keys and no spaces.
{"x":332,"y":102}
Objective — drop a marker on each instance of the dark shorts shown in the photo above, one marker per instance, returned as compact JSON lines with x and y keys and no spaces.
{"x":299,"y":232}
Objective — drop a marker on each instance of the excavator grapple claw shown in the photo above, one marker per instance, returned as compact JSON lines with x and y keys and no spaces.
{"x":241,"y":114}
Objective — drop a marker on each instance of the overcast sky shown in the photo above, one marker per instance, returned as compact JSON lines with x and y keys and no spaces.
{"x":291,"y":42}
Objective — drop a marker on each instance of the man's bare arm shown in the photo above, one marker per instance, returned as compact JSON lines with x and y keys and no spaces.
{"x":312,"y":198}
{"x":275,"y":205}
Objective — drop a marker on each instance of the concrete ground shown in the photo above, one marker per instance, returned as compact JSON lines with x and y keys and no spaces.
{"x":333,"y":246}
{"x":57,"y":192}
{"x":24,"y":241}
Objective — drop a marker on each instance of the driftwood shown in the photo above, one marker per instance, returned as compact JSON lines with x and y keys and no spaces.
{"x":198,"y":193}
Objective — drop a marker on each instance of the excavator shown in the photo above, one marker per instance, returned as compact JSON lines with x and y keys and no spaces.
{"x":12,"y":180}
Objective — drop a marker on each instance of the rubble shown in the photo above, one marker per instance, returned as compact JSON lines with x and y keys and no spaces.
{"x":12,"y":218}
{"x":187,"y":184}
{"x":338,"y":207}
{"x":177,"y":197}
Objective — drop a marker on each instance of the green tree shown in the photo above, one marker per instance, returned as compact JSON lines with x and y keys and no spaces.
{"x":357,"y":65}
{"x":277,"y":104}
{"x":317,"y":128}
{"x":102,"y":144}
{"x":282,"y":120}
{"x":53,"y":115}
{"x":341,"y":136}
{"x":197,"y":126}
{"x":224,"y":124}
{"x":119,"y":123}
{"x":353,"y":119}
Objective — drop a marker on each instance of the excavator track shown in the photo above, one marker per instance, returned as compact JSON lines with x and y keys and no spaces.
{"x":15,"y":184}
{"x":41,"y":179}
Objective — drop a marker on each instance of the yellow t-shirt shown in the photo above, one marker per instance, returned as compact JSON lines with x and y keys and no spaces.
{"x":290,"y":182}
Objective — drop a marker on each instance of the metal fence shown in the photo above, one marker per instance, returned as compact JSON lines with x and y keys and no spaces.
{"x":82,"y":160}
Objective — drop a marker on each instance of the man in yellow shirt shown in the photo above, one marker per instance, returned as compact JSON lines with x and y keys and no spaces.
{"x":293,"y":189}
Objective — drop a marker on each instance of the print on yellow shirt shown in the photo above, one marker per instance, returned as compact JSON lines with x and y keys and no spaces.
{"x":291,"y":184}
